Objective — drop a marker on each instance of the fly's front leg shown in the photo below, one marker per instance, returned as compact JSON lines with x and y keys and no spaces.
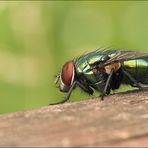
{"x":67,"y":96}
{"x":86,"y":89}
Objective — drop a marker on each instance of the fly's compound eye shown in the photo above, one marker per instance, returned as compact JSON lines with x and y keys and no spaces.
{"x":67,"y":74}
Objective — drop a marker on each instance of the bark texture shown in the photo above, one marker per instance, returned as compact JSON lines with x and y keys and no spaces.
{"x":120,"y":120}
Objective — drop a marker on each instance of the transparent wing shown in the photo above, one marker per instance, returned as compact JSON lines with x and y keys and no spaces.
{"x":122,"y":55}
{"x":97,"y":51}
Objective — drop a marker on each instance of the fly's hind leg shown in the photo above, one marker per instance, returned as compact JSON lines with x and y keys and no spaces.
{"x":133,"y":80}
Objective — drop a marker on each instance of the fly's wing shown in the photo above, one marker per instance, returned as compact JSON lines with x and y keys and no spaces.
{"x":97,"y":51}
{"x":122,"y":55}
{"x":113,"y":56}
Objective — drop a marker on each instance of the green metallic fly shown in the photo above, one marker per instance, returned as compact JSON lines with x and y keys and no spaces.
{"x":103,"y":70}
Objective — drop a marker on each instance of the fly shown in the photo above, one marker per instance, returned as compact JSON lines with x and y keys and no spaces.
{"x":103,"y":70}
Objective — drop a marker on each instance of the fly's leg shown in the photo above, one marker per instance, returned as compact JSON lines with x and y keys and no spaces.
{"x":132,"y":79}
{"x":107,"y":84}
{"x":66,"y":98}
{"x":84,"y":85}
{"x":85,"y":88}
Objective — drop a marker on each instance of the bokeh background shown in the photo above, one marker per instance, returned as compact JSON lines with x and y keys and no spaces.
{"x":37,"y":37}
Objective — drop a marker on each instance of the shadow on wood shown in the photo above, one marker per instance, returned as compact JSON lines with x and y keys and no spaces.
{"x":120,"y":120}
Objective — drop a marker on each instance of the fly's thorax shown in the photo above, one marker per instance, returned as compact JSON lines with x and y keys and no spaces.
{"x":84,"y":63}
{"x":84,"y":67}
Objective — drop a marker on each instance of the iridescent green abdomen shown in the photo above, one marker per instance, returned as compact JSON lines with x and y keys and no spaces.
{"x":138,"y":69}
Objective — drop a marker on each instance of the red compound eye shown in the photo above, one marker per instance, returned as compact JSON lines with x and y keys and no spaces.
{"x":67,"y":73}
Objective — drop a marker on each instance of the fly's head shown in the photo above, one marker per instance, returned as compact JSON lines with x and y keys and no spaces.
{"x":66,"y":77}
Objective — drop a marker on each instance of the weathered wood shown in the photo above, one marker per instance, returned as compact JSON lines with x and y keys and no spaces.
{"x":120,"y":120}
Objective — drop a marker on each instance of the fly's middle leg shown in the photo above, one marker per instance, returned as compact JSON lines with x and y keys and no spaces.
{"x":107,"y":84}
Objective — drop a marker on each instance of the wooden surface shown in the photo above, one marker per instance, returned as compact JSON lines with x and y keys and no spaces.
{"x":120,"y":120}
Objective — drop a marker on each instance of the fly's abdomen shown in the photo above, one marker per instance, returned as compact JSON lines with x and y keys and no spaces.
{"x":138,"y":69}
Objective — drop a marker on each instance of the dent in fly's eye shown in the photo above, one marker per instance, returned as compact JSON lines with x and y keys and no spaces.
{"x":67,"y":73}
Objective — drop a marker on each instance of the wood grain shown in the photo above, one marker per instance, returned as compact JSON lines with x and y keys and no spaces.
{"x":120,"y":120}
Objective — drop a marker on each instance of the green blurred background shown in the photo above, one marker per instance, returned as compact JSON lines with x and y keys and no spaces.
{"x":36,"y":38}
